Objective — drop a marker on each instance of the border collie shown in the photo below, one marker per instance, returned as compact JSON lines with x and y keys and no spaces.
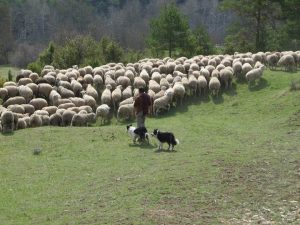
{"x":165,"y":137}
{"x":137,"y":134}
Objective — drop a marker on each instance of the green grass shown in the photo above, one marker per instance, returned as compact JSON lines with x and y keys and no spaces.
{"x":4,"y":71}
{"x":238,"y":163}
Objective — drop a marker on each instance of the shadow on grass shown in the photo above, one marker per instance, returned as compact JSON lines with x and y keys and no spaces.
{"x":262,"y":83}
{"x":142,"y":145}
{"x":8,"y":134}
{"x":230,"y":91}
{"x":165,"y":150}
{"x":217,"y":99}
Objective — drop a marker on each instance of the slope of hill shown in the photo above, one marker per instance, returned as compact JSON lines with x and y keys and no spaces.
{"x":238,"y":162}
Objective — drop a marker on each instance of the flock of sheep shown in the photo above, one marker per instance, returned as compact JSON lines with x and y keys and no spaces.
{"x":78,"y":96}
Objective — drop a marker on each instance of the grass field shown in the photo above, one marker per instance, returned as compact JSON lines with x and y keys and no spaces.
{"x":4,"y":71}
{"x":238,"y":162}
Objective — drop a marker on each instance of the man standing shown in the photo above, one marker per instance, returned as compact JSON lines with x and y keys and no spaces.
{"x":141,"y":106}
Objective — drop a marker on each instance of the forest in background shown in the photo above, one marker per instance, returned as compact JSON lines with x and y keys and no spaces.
{"x":31,"y":27}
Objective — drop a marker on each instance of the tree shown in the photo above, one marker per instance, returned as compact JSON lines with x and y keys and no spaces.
{"x":257,"y":14}
{"x":5,"y":32}
{"x":169,"y":31}
{"x":203,"y":41}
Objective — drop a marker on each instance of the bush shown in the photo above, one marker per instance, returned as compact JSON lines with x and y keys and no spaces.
{"x":2,"y":81}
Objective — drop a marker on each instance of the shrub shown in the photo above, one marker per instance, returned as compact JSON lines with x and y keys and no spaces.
{"x":2,"y":81}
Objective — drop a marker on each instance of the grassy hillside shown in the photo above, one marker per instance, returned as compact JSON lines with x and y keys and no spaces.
{"x":4,"y":71}
{"x":238,"y":163}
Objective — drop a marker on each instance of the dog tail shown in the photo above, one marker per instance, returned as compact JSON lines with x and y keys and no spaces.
{"x":177,"y":141}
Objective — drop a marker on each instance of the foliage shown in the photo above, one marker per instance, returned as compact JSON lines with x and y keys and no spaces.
{"x":239,"y":39}
{"x":169,"y":31}
{"x":271,"y":24}
{"x":2,"y":81}
{"x":9,"y":75}
{"x":111,"y":50}
{"x":204,"y":44}
{"x":242,"y":169}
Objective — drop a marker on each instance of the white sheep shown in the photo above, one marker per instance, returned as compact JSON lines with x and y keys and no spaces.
{"x":90,"y":90}
{"x":7,"y":122}
{"x":38,"y":103}
{"x":125,"y":111}
{"x":226,"y":76}
{"x":26,"y":92}
{"x":139,"y":82}
{"x":116,"y":96}
{"x":202,"y":85}
{"x":254,"y":74}
{"x":214,"y":85}
{"x":288,"y":62}
{"x":103,"y":112}
{"x":162,"y":103}
{"x":14,"y":100}
{"x":179,"y":92}
{"x":106,"y":95}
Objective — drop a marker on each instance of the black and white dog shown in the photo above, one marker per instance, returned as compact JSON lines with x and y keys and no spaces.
{"x":165,"y":137}
{"x":137,"y":134}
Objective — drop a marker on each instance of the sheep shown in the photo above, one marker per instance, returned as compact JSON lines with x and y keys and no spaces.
{"x":12,"y":91}
{"x":18,"y":100}
{"x":3,"y":93}
{"x":89,"y":100}
{"x":55,"y":119}
{"x":124,"y":81}
{"x":193,"y":84}
{"x":65,"y":84}
{"x":16,"y":109}
{"x":9,"y":83}
{"x":179,"y":92}
{"x":162,"y":103}
{"x":272,"y":60}
{"x":67,"y":117}
{"x":246,"y":68}
{"x":33,"y":87}
{"x":38,"y":103}
{"x":214,"y":85}
{"x":103,"y":112}
{"x":77,"y":101}
{"x":76,"y":87}
{"x":35,"y":121}
{"x":179,"y":68}
{"x":79,"y":120}
{"x":44,"y":90}
{"x":119,"y":73}
{"x":34,"y":77}
{"x":50,"y":79}
{"x":237,"y":69}
{"x":154,"y":86}
{"x":90,"y":90}
{"x":88,"y":69}
{"x":125,"y":111}
{"x":25,"y":73}
{"x":160,"y":93}
{"x":45,"y":120}
{"x":50,"y":109}
{"x":170,"y":78}
{"x":98,"y":82}
{"x":254,"y":74}
{"x":129,"y":74}
{"x":139,"y":83}
{"x":127,"y":93}
{"x":24,"y":81}
{"x":288,"y":62}
{"x":116,"y":96}
{"x":88,"y":78}
{"x":110,"y":81}
{"x":226,"y":76}
{"x":29,"y":109}
{"x":26,"y":92}
{"x":87,"y":108}
{"x":54,"y":98}
{"x":106,"y":95}
{"x":65,"y":93}
{"x":7,"y":122}
{"x":129,"y":100}
{"x":202,"y":85}
{"x":66,"y":105}
{"x":204,"y":72}
{"x":21,"y":123}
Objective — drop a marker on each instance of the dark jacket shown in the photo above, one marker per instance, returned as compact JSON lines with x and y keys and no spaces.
{"x":142,"y":103}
